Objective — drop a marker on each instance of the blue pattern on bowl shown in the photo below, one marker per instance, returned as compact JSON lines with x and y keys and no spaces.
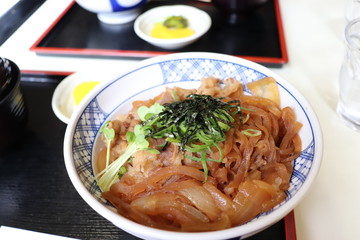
{"x":116,"y":7}
{"x":177,"y":71}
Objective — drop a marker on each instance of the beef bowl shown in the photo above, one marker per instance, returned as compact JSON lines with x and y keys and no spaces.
{"x":193,"y":146}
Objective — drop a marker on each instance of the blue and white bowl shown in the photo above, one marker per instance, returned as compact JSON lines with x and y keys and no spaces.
{"x":148,"y":79}
{"x":114,"y":11}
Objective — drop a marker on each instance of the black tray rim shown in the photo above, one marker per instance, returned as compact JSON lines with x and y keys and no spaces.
{"x":133,"y":54}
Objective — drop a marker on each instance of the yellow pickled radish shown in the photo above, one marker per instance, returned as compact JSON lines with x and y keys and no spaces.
{"x":81,"y":90}
{"x":160,"y":31}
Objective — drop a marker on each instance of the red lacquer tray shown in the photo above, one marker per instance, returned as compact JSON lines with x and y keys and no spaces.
{"x":258,"y":37}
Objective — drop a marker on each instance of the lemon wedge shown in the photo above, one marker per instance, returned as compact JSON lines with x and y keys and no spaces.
{"x":81,"y":90}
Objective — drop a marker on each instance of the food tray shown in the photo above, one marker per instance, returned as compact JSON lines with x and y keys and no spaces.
{"x":258,"y":37}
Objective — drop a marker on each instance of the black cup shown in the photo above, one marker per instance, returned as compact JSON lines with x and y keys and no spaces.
{"x":13,"y":113}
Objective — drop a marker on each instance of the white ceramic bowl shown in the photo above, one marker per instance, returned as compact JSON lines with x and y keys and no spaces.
{"x":198,"y":20}
{"x":148,"y":79}
{"x":113,"y":11}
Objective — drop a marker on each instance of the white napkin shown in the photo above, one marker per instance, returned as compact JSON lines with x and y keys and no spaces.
{"x":7,"y":233}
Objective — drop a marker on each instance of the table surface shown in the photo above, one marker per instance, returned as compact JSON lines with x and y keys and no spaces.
{"x":314,"y":33}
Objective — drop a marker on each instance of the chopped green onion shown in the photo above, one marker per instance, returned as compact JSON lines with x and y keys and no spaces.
{"x":175,"y":96}
{"x":251,"y":132}
{"x":122,"y":171}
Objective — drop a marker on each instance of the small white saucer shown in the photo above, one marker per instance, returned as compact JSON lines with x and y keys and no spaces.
{"x":198,"y":20}
{"x":62,"y":101}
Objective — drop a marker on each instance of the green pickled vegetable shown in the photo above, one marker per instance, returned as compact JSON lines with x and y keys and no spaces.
{"x":176,"y":22}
